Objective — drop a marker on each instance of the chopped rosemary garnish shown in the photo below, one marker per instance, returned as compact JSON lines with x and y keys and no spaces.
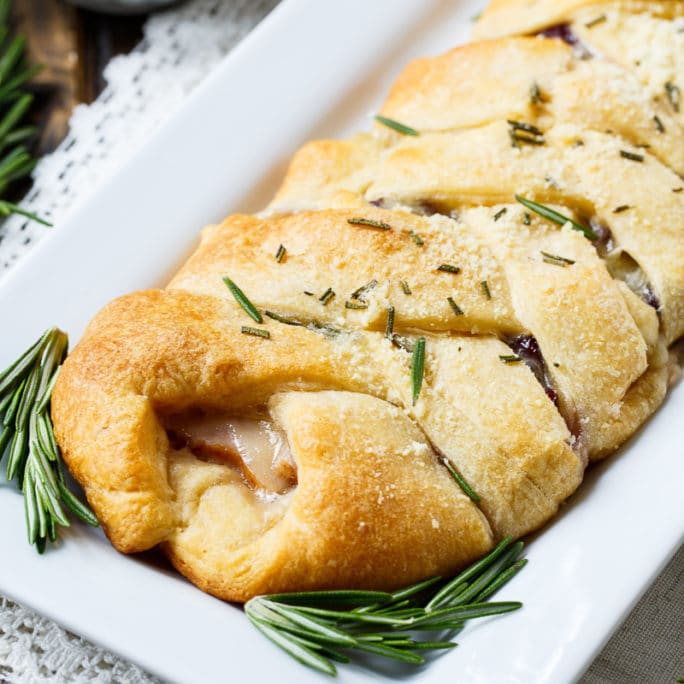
{"x":370,"y":223}
{"x":416,"y":238}
{"x":660,"y":126}
{"x":389,"y":328}
{"x":405,"y":287}
{"x":327,"y":296}
{"x":256,"y":332}
{"x":461,"y":482}
{"x":595,"y":22}
{"x":520,"y":132}
{"x":283,"y":319}
{"x":500,"y":213}
{"x":633,"y":156}
{"x":396,"y":126}
{"x":677,"y":190}
{"x":535,"y":93}
{"x":355,"y":304}
{"x":454,"y":307}
{"x":556,"y":260}
{"x":522,"y":126}
{"x":34,"y":459}
{"x":319,"y":627}
{"x":418,"y":368}
{"x":308,"y":294}
{"x":280,"y":254}
{"x":556,"y":217}
{"x":358,"y":293}
{"x":485,"y":289}
{"x":449,"y":268}
{"x":527,"y":219}
{"x":621,"y":208}
{"x":242,"y":300}
{"x":673,"y":95}
{"x":510,"y":358}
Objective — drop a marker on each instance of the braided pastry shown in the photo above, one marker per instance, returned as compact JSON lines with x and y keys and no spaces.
{"x":309,"y":447}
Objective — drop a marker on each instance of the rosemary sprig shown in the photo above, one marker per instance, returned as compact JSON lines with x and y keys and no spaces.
{"x":15,"y":161}
{"x":319,"y":627}
{"x":26,"y":435}
{"x":396,"y":125}
{"x":241,"y":299}
{"x":556,"y":217}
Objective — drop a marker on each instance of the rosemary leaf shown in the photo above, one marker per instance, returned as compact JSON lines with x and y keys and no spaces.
{"x":455,"y":307}
{"x":389,"y":327}
{"x":289,"y":644}
{"x":555,"y":217}
{"x":396,"y":126}
{"x":418,"y":368}
{"x":461,"y":482}
{"x":673,"y":95}
{"x":283,"y":319}
{"x":417,"y":238}
{"x":535,"y":94}
{"x":556,"y":260}
{"x":595,"y":22}
{"x":242,"y":300}
{"x":327,"y":296}
{"x":405,"y":287}
{"x":370,"y":223}
{"x":510,"y":358}
{"x":280,"y":254}
{"x":449,"y":268}
{"x":359,"y":292}
{"x":484,"y":285}
{"x":255,"y":332}
{"x":632,"y":156}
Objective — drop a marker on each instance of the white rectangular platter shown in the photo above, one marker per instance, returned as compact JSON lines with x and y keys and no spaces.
{"x":311,"y":69}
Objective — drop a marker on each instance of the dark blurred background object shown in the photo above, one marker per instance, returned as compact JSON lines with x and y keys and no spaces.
{"x":74,"y":46}
{"x":123,"y":6}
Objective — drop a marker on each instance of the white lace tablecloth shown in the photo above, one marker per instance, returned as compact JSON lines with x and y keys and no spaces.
{"x":180,"y":47}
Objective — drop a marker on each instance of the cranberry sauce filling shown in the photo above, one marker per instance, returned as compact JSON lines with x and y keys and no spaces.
{"x":565,"y":33}
{"x":622,"y":266}
{"x":527,"y":348}
{"x":562,"y":32}
{"x":422,"y":207}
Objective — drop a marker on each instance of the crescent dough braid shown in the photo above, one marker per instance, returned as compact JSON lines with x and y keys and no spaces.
{"x":285,"y":435}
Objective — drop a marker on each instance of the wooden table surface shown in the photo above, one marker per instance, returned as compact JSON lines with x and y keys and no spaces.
{"x":74,"y":46}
